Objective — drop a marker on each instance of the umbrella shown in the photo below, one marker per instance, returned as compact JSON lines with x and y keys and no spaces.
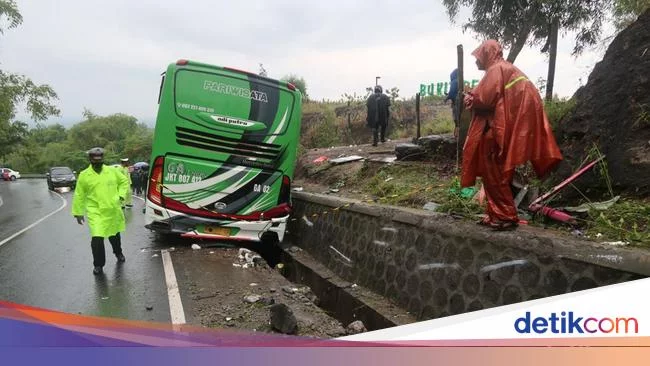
{"x":141,"y":164}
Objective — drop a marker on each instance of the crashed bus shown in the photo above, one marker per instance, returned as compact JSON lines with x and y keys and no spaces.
{"x":223,"y":154}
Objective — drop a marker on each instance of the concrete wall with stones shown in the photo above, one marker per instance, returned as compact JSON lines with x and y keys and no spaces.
{"x":434,"y":266}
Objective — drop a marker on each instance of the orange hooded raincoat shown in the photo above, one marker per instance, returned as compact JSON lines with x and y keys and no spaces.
{"x":509,"y":127}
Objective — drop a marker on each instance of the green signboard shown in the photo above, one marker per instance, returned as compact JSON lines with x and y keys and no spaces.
{"x":441,"y":88}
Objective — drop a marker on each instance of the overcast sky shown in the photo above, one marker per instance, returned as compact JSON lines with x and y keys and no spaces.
{"x":107,"y":56}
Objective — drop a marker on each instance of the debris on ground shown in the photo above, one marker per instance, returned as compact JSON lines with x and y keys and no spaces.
{"x":408,"y":151}
{"x":431,"y":206}
{"x":577,"y":233}
{"x":297,"y":189}
{"x":616,"y":243}
{"x":283,"y":319}
{"x":289,"y":289}
{"x":267,"y":301}
{"x":320,"y":159}
{"x":251,"y":299}
{"x":356,"y":327}
{"x":598,"y":206}
{"x":196,"y":246}
{"x":389,"y":159}
{"x":347,"y":159}
{"x":248,"y":258}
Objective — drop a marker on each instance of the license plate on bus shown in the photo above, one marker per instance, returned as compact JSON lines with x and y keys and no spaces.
{"x":217,"y":230}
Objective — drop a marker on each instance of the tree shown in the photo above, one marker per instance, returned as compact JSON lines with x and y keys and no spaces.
{"x":9,"y":10}
{"x":626,"y":11}
{"x":516,"y":23}
{"x":18,"y":89}
{"x":299,"y":83}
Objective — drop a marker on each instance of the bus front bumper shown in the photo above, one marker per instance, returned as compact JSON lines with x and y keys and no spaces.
{"x":167,"y":221}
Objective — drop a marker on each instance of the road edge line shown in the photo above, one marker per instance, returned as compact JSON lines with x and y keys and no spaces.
{"x":65,"y":203}
{"x":173,"y":294}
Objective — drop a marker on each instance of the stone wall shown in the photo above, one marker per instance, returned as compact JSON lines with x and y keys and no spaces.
{"x":434,"y":266}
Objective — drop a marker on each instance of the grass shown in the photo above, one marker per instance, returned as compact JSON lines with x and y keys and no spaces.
{"x":628,"y":220}
{"x":414,"y":184}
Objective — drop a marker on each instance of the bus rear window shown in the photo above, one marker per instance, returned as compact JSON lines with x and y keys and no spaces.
{"x":225,"y":101}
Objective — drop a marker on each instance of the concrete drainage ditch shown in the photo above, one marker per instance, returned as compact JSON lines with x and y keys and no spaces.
{"x":431,"y":265}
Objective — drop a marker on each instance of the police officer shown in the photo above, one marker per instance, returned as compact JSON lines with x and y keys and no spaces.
{"x":99,"y":195}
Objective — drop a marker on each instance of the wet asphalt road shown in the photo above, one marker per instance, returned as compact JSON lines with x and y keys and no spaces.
{"x":50,"y":265}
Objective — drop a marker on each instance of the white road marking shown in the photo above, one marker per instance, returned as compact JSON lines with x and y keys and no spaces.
{"x":1,"y":201}
{"x":65,"y":203}
{"x":175,"y":304}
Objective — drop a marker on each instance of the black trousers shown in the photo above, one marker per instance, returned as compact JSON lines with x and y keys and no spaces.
{"x":380,"y":130}
{"x":99,"y":253}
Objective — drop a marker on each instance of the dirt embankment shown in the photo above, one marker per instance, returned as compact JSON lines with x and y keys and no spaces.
{"x":613,"y":112}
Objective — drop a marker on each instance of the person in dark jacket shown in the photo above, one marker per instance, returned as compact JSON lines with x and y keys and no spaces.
{"x":378,"y":113}
{"x":453,"y":93}
{"x":135,"y":179}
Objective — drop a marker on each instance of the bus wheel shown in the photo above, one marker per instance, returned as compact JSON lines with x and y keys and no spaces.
{"x":270,"y":239}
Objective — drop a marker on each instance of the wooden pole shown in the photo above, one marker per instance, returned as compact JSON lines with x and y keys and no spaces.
{"x":417,"y":114}
{"x":460,"y":140}
{"x":551,"y":60}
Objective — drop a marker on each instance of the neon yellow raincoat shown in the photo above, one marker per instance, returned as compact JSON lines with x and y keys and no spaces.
{"x":98,"y":196}
{"x":128,"y":199}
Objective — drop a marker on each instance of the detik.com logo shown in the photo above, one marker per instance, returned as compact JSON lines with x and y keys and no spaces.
{"x":569,"y":323}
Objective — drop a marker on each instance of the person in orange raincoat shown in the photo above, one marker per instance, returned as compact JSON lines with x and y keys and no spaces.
{"x":509,"y":127}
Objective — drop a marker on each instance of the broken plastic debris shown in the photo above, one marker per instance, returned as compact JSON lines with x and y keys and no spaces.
{"x":253,"y":284}
{"x":236,"y":265}
{"x":598,"y":206}
{"x":347,"y":159}
{"x":155,"y":255}
{"x":431,"y":206}
{"x":309,"y":223}
{"x":320,"y":159}
{"x":196,"y":246}
{"x":616,"y":243}
{"x":388,"y":179}
{"x":354,"y":285}
{"x":211,"y":252}
{"x":298,"y":189}
{"x":228,"y":319}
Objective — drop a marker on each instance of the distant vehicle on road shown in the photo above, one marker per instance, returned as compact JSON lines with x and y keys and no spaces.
{"x":61,"y":176}
{"x":223,"y":154}
{"x":8,"y":174}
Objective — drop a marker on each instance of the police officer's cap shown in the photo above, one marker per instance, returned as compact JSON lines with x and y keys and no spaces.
{"x":96,"y":151}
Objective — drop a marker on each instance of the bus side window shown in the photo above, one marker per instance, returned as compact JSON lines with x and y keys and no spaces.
{"x":162,"y":81}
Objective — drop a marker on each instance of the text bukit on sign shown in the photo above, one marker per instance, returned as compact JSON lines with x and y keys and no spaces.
{"x":440,"y":88}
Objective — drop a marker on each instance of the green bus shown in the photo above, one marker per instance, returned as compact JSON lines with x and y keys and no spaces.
{"x":223,"y":154}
